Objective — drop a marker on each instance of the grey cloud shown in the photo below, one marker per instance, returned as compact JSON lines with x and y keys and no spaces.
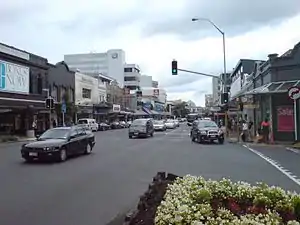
{"x":232,"y":16}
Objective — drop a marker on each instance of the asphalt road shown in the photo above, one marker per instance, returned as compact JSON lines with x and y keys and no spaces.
{"x":92,"y":189}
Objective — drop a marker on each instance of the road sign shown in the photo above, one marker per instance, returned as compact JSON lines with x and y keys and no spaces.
{"x":294,"y":93}
{"x":63,"y":107}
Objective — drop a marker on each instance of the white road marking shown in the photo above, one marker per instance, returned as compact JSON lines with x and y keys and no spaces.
{"x":275,"y":164}
{"x":293,"y":150}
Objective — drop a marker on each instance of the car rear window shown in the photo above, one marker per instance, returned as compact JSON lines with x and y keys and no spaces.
{"x":139,"y":122}
{"x":82,"y":122}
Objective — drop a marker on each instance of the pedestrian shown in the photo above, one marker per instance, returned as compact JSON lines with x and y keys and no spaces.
{"x":34,"y":127}
{"x":250,"y":133}
{"x":265,"y":128}
{"x":244,"y":131}
{"x":54,"y":123}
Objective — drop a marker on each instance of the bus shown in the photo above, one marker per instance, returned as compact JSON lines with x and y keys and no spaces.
{"x":191,"y":118}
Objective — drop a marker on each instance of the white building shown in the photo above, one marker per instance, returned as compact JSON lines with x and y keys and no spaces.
{"x":110,"y":63}
{"x":146,"y":81}
{"x":216,"y":90}
{"x":157,"y":94}
{"x":86,"y":90}
{"x":132,"y":76}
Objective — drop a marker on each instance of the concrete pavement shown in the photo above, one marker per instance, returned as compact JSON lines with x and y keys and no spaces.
{"x":93,"y":189}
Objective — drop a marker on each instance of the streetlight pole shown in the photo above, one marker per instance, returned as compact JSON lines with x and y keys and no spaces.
{"x":224,"y":59}
{"x":48,"y":96}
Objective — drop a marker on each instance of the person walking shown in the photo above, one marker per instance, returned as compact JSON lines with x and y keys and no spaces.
{"x":265,"y":128}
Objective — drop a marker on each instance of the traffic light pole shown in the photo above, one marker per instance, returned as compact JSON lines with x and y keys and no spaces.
{"x":198,"y":73}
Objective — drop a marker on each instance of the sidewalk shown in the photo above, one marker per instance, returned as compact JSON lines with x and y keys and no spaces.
{"x":11,"y":139}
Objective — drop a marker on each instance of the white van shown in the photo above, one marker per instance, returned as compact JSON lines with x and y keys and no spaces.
{"x":90,"y":124}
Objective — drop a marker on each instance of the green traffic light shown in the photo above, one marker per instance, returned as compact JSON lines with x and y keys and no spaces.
{"x":174,"y":71}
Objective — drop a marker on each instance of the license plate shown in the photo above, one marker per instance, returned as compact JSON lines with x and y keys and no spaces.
{"x":136,"y":133}
{"x":213,"y":136}
{"x":33,"y":154}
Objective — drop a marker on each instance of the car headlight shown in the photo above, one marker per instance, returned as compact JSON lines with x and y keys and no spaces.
{"x":203,"y":132}
{"x":51,"y":148}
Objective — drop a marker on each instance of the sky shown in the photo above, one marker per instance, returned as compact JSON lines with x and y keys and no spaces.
{"x":153,"y":33}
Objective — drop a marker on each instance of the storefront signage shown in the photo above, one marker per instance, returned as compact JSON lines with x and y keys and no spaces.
{"x":285,"y":119}
{"x":14,"y":78}
{"x":116,"y":108}
{"x":14,"y":52}
{"x":294,"y":93}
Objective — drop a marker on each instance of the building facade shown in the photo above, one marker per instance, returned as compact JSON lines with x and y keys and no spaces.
{"x":86,"y":95}
{"x":24,"y":76}
{"x":110,"y":63}
{"x":61,"y":86}
{"x":132,"y":76}
{"x":146,"y":81}
{"x":209,"y":100}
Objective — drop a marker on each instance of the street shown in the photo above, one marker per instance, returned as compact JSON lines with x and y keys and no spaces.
{"x":93,"y":189}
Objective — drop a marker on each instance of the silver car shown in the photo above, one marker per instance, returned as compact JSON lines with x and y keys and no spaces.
{"x":170,"y":124}
{"x":159,"y":125}
{"x":141,"y":127}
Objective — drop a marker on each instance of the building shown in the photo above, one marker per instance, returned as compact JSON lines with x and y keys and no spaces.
{"x":197,"y":109}
{"x":86,"y":95}
{"x":155,"y":84}
{"x":61,"y":83}
{"x":154,"y":98}
{"x":110,"y":63}
{"x":216,"y":90}
{"x":209,"y":100}
{"x":267,"y":94}
{"x":24,"y":76}
{"x":132,"y":76}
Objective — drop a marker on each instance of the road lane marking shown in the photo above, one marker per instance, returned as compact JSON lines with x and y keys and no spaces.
{"x":293,"y":150}
{"x":277,"y":165}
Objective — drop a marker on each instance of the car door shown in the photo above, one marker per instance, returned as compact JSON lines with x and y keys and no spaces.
{"x":194,"y":129}
{"x":82,"y":140}
{"x":74,"y":142}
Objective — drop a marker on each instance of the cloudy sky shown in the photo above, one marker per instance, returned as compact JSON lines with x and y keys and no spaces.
{"x":153,"y":32}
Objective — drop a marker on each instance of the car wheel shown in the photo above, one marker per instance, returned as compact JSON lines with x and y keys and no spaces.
{"x":130,"y":136}
{"x":221,"y":141}
{"x":88,"y":149}
{"x":62,"y":155}
{"x":152,"y":134}
{"x":193,"y":139}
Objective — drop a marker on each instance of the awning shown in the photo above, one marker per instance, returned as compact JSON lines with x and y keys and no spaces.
{"x":140,"y":113}
{"x":274,"y":87}
{"x":147,"y":111}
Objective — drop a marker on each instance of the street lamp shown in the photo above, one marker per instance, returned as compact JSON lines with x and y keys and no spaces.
{"x":224,"y":49}
{"x":224,"y":59}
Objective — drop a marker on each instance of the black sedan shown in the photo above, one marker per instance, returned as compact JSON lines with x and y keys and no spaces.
{"x":206,"y":131}
{"x":59,"y":143}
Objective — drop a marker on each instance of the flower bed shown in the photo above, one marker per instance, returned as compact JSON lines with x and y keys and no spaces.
{"x":173,"y":200}
{"x":194,"y":200}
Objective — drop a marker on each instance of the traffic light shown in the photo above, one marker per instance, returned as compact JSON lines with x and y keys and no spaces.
{"x":224,"y":98}
{"x":174,"y":68}
{"x":49,"y":103}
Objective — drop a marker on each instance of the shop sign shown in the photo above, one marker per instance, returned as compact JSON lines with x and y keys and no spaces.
{"x":285,"y":119}
{"x":14,"y":78}
{"x":294,"y":93}
{"x":14,"y":52}
{"x":116,"y":108}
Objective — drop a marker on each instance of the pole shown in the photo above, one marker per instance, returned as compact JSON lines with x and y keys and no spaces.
{"x":295,"y":119}
{"x":50,"y":116}
{"x":63,"y":119}
{"x":225,"y":81}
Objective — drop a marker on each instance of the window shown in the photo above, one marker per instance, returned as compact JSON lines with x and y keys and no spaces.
{"x":54,"y":92}
{"x":40,"y":84}
{"x":86,"y":93}
{"x":127,"y":69}
{"x":129,"y":78}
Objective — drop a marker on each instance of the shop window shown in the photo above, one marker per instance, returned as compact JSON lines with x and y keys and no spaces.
{"x":127,"y":69}
{"x":86,"y":93}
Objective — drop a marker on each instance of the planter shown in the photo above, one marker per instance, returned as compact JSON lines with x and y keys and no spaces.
{"x":193,"y":200}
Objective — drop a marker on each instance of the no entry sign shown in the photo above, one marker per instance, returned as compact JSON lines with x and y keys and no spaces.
{"x":294,"y":93}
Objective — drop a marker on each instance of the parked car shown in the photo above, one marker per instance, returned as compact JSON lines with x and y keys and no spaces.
{"x":206,"y":131}
{"x":141,"y":127}
{"x":89,"y":123}
{"x":170,"y":124}
{"x":159,"y":125}
{"x":177,"y":123}
{"x":103,"y":126}
{"x":123,"y":124}
{"x":115,"y":125}
{"x":59,"y":144}
{"x":129,"y":123}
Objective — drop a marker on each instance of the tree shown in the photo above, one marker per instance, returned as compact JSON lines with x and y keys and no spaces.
{"x":180,"y":109}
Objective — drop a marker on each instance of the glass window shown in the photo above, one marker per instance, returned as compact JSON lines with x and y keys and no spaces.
{"x":127,"y":69}
{"x":86,"y":93}
{"x":287,"y":85}
{"x":203,"y":124}
{"x":139,"y":122}
{"x":60,"y":133}
{"x":129,"y":78}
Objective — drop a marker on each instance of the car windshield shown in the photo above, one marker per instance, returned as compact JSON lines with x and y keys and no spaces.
{"x":158,"y":122}
{"x":204,"y":124}
{"x":55,"y":134}
{"x":170,"y":121}
{"x":139,"y":122}
{"x":82,"y":122}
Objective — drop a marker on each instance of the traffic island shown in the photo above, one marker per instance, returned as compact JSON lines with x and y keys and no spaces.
{"x":193,"y":200}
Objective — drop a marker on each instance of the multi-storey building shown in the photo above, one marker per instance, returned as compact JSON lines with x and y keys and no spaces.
{"x":110,"y":63}
{"x":132,"y":76}
{"x":209,"y":100}
{"x":24,"y":77}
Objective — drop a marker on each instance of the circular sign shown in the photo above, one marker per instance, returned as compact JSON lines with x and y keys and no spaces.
{"x":294,"y":93}
{"x":114,"y":55}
